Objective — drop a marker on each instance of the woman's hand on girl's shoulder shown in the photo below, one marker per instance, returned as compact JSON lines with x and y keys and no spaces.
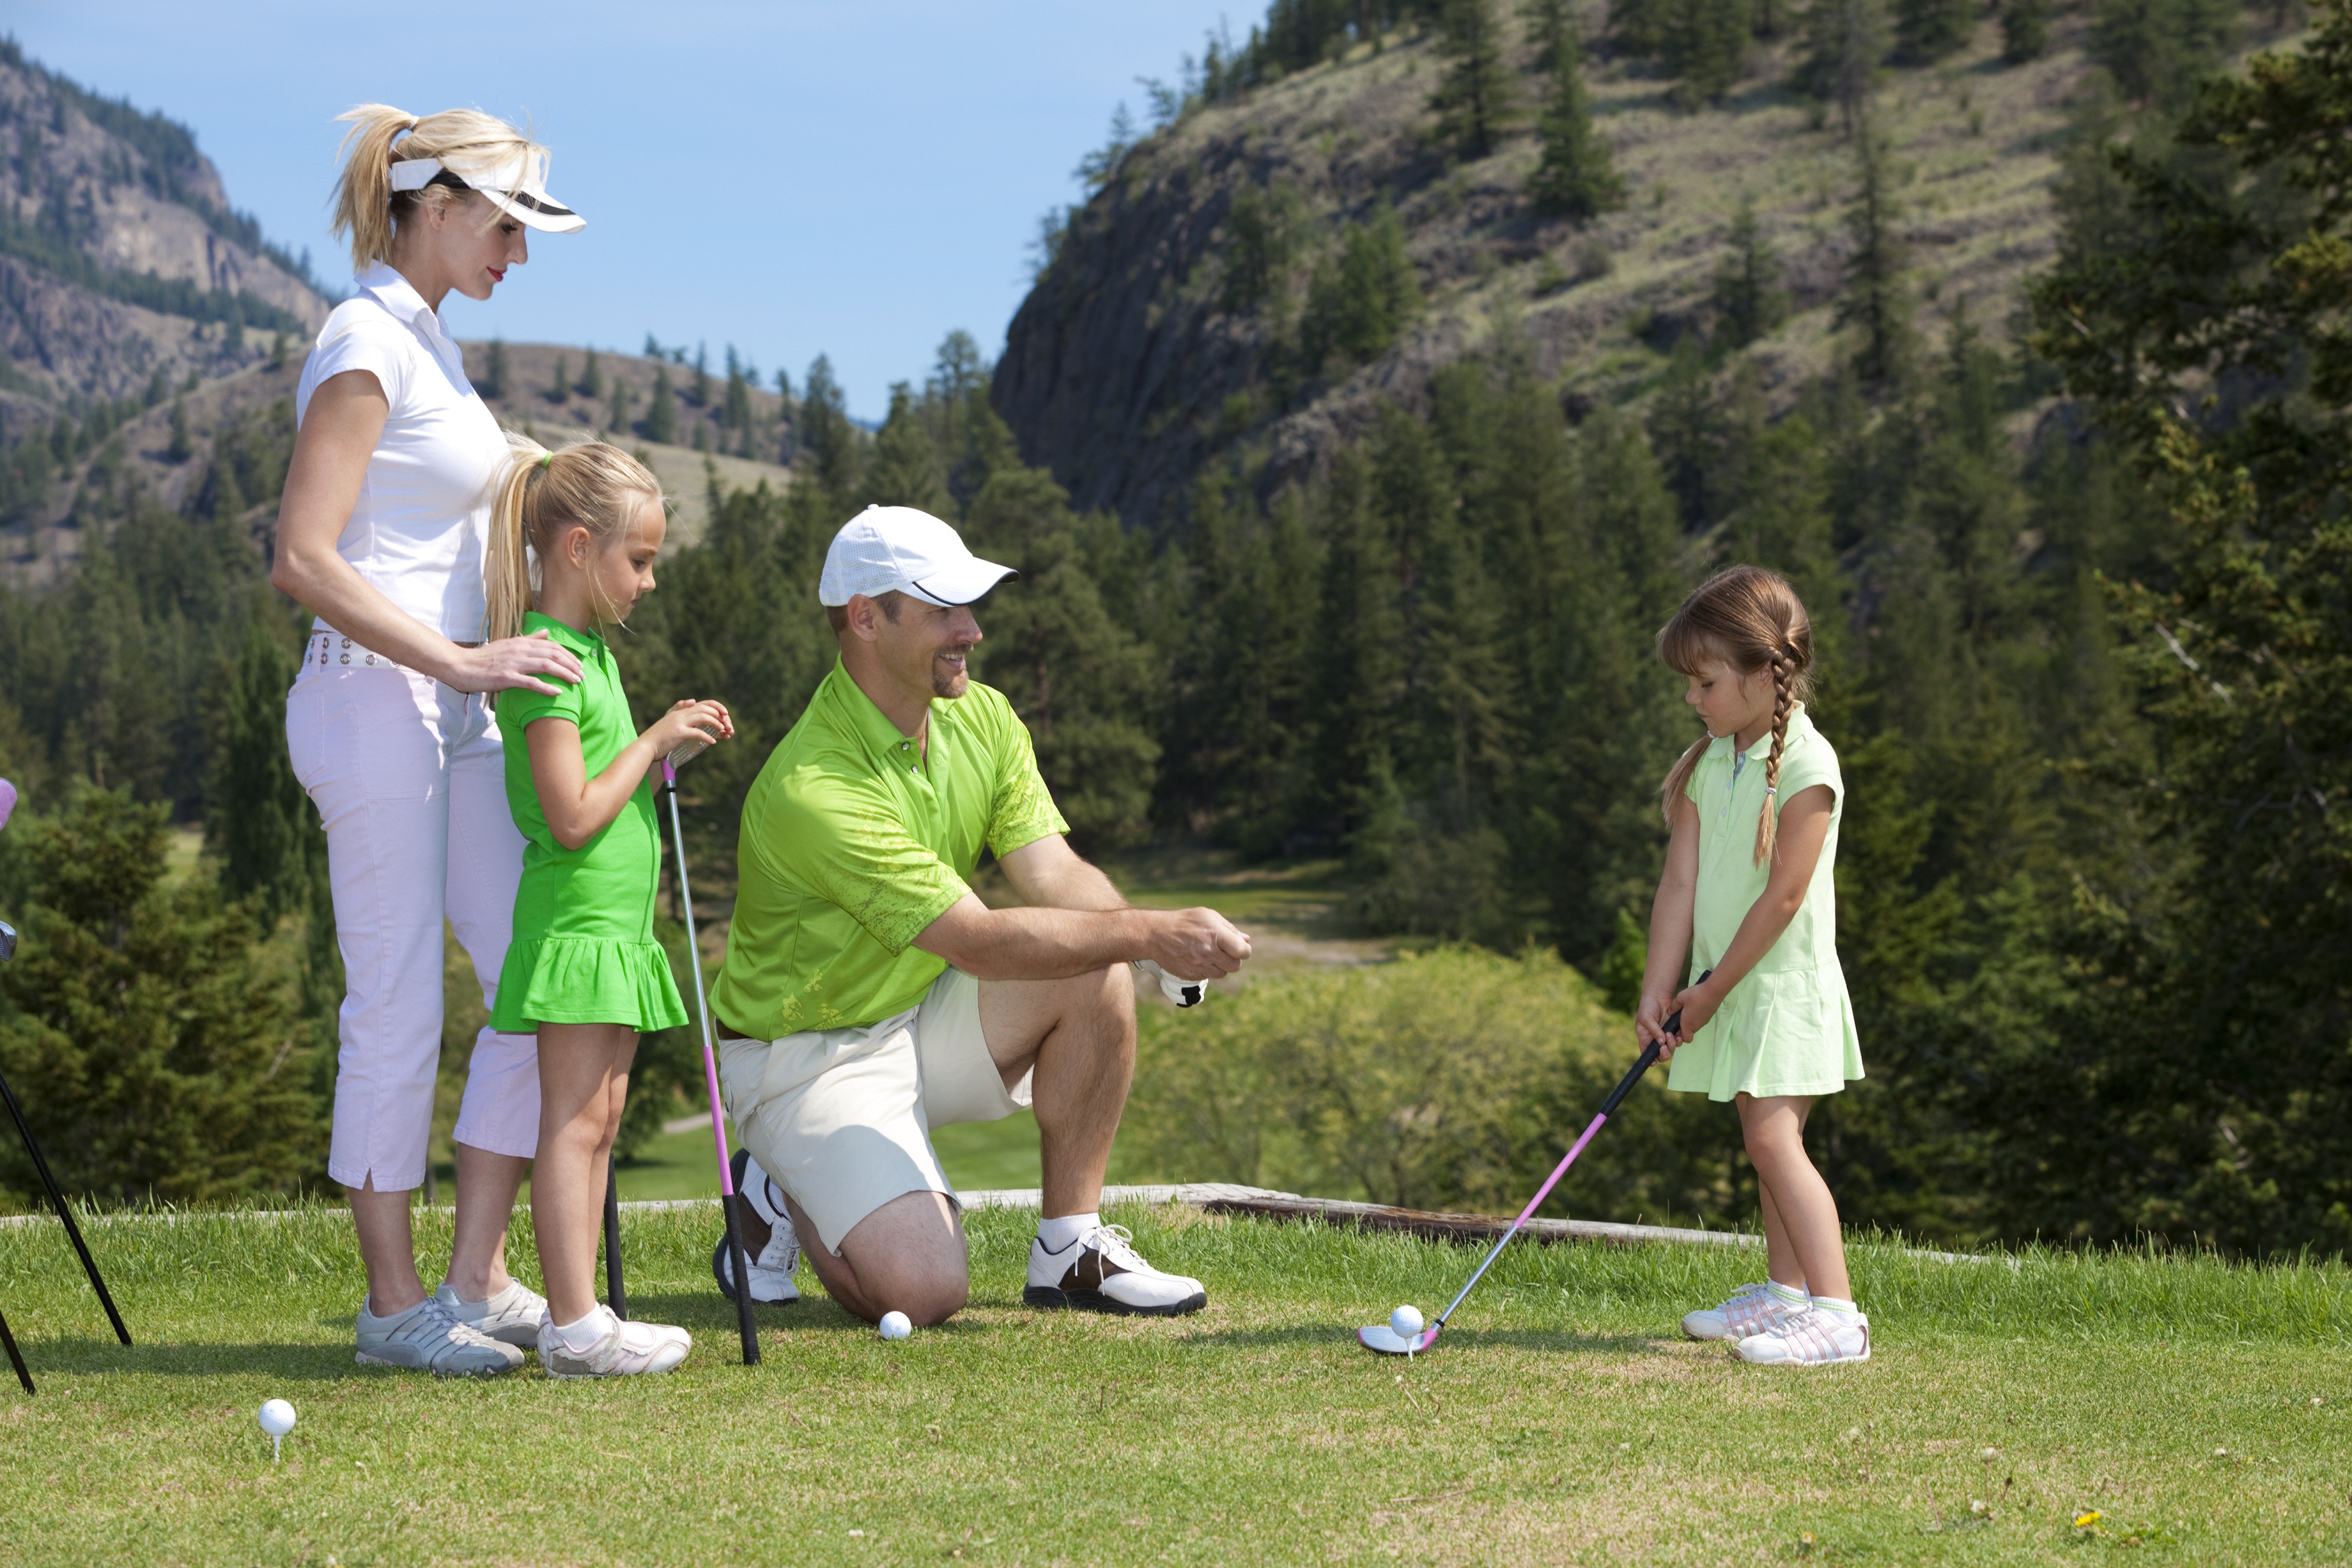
{"x":691,"y":719}
{"x":515,"y":662}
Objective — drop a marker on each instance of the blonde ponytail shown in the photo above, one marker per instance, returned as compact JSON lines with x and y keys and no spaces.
{"x":506,"y":575}
{"x":366,"y":206}
{"x":588,"y":485}
{"x":1749,"y":619}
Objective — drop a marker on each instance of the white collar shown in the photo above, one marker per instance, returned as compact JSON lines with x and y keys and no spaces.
{"x":398,"y":295}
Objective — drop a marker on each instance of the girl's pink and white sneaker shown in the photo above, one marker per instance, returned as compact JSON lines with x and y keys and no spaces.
{"x":1750,"y":1310}
{"x":622,"y":1348}
{"x":1814,"y":1337}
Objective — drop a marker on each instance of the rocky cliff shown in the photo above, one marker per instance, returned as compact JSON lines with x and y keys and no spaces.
{"x":120,"y":253}
{"x":1129,"y":363}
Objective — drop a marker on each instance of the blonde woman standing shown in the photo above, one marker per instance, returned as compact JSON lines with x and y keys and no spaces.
{"x":382,"y":535}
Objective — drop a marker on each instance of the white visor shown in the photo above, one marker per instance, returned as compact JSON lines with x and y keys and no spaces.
{"x":517,"y":187}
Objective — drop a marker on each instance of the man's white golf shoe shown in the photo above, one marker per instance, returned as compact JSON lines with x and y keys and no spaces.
{"x":511,"y":1317}
{"x":772,"y":1265}
{"x":425,"y":1338}
{"x":1101,"y":1272}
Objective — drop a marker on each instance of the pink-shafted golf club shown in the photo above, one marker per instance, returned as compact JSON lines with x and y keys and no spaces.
{"x":728,"y":1199}
{"x":1380,"y":1337}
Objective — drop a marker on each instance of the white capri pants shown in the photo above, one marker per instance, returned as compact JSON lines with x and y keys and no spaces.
{"x":410,"y":779}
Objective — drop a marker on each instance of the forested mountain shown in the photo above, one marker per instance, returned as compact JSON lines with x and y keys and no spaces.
{"x":1303,"y":235}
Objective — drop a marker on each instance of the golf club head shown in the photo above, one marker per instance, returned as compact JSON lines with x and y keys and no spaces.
{"x":686,"y":752}
{"x":7,"y":942}
{"x":1388,"y":1341}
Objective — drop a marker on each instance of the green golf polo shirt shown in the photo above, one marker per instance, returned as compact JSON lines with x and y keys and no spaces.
{"x":855,"y":839}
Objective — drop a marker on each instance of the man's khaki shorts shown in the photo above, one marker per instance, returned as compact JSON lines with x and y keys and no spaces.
{"x":841,"y":1118}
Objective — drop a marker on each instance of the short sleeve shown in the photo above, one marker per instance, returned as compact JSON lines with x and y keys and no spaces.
{"x":849,"y":848}
{"x":382,"y":348}
{"x":1814,"y":762}
{"x":518,"y":706}
{"x":1024,"y":810}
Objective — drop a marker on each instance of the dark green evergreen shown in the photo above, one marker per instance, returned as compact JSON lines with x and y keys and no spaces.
{"x":1748,"y":300}
{"x":1577,"y":176}
{"x":2024,"y":30}
{"x":1475,"y":101}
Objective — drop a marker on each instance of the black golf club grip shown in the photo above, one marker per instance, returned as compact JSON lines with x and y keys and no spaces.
{"x":1649,"y":1055}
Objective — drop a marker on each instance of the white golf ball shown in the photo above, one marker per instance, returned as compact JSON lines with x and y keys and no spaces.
{"x":1406,"y":1321}
{"x":277,"y":1417}
{"x":895,"y":1326}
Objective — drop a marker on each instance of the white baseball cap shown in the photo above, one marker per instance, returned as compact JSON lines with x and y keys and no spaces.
{"x":896,"y":548}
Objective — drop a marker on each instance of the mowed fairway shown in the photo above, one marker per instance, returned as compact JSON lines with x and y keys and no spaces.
{"x":2205,"y":1411}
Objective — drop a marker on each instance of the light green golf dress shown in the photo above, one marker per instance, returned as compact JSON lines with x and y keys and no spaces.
{"x":1788,"y":1027}
{"x":584,"y":949}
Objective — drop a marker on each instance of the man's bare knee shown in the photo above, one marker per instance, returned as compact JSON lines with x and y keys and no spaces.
{"x":909,"y":1256}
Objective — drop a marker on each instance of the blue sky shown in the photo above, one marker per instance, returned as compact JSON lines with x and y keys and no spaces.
{"x":854,"y":178}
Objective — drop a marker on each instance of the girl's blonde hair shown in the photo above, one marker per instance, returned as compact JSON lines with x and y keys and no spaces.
{"x":589,"y":485}
{"x":1750,"y":619}
{"x":465,"y":139}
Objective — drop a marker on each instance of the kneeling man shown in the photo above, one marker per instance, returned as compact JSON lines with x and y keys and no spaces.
{"x":868,"y":996}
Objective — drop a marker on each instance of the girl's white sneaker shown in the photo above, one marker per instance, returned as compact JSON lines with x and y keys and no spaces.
{"x":510,"y":1317}
{"x":625,"y":1349}
{"x":1814,"y":1337}
{"x":1750,"y":1310}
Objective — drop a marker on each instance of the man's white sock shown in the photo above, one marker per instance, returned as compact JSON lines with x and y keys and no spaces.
{"x":1059,"y":1232}
{"x":1787,"y":1295}
{"x":760,"y":1193}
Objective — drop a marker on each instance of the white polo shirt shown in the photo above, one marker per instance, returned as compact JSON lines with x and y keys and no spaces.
{"x":419,"y":530}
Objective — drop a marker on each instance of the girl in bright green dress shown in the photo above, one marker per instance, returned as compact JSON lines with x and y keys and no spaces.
{"x":1749,"y":893}
{"x":572,"y":550}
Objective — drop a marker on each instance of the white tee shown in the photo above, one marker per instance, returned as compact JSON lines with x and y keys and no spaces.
{"x":420,"y":527}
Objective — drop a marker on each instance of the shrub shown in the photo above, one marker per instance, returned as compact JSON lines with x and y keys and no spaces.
{"x":1451,"y":1079}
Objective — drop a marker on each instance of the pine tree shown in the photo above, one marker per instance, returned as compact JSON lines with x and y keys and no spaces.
{"x":494,"y":373}
{"x":1706,"y":48}
{"x":1473,"y":101}
{"x":592,"y":378}
{"x":1359,"y":303}
{"x":182,"y":445}
{"x":1876,"y":301}
{"x":1261,"y":228}
{"x":1927,"y":30}
{"x":905,"y":469}
{"x":621,"y":398}
{"x":828,"y":435}
{"x":148,"y":1043}
{"x":699,"y":393}
{"x":1639,"y":27}
{"x":1845,"y":44}
{"x":735,"y":413}
{"x":1550,"y":24}
{"x":2157,"y":49}
{"x":1749,"y":300}
{"x":2024,"y":30}
{"x":1578,"y":176}
{"x":559,"y":386}
{"x":661,"y":413}
{"x":260,"y":821}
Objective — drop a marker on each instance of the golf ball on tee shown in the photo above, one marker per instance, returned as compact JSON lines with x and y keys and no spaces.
{"x":277,"y":1417}
{"x":895,"y":1326}
{"x":1406,"y":1321}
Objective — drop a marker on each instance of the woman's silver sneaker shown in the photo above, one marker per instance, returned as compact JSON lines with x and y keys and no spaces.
{"x":426,"y":1338}
{"x":511,"y":1317}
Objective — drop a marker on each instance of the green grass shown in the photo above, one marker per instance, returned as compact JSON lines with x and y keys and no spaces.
{"x":1560,"y":1421}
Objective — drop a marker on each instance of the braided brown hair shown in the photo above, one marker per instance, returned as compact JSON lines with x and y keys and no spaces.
{"x":1750,"y":619}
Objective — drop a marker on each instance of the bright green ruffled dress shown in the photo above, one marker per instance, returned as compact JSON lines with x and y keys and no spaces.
{"x":584,"y":949}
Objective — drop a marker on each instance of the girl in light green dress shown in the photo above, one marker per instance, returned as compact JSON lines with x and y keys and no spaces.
{"x":1749,"y":895}
{"x":583,"y":971}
